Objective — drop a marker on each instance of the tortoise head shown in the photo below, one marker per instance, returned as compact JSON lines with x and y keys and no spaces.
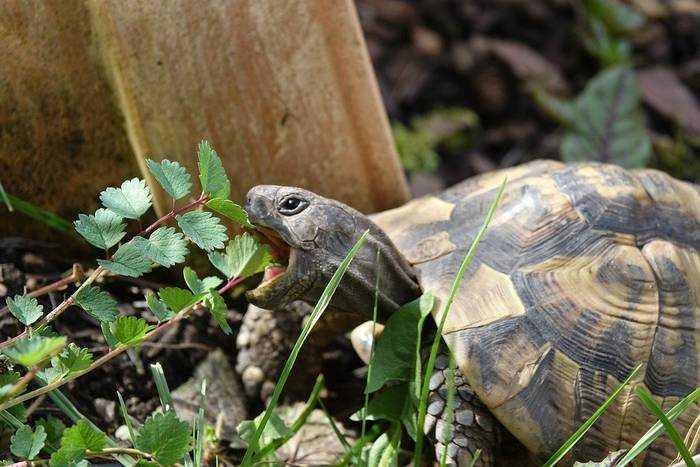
{"x":314,"y":234}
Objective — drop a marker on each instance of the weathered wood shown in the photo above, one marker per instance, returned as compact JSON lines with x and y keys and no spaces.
{"x":283,"y":90}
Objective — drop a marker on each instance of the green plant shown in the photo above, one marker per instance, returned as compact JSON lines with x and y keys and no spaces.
{"x":50,"y":361}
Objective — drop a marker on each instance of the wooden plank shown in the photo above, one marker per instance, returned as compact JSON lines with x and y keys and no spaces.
{"x":284,"y":90}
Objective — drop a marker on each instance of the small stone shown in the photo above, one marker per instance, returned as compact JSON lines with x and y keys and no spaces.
{"x":484,"y":421}
{"x":105,"y":408}
{"x":436,"y":380}
{"x":436,"y":406}
{"x":429,"y":423}
{"x":464,"y":417}
{"x":252,"y":375}
{"x":122,"y":433}
{"x":242,"y":339}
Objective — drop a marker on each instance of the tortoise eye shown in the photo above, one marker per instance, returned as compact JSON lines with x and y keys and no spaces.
{"x":292,"y":205}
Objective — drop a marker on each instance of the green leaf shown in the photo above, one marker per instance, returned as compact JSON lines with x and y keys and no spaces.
{"x":129,"y":329}
{"x":75,"y":441}
{"x":394,"y":353}
{"x":165,"y":246}
{"x":30,"y":351}
{"x":197,"y":285}
{"x":177,"y":299}
{"x":671,"y":431}
{"x":393,"y":404}
{"x":212,"y":175}
{"x":72,"y":360}
{"x":97,"y":303}
{"x":107,"y":333}
{"x":54,"y":429}
{"x":274,"y":430}
{"x":26,"y":443}
{"x":159,"y":309}
{"x":127,"y":261}
{"x":415,"y":148}
{"x":173,"y":177}
{"x":42,"y":215}
{"x":230,"y":210}
{"x":25,"y":308}
{"x":204,"y":229}
{"x":245,"y":256}
{"x":131,"y":200}
{"x":608,"y":122}
{"x":617,"y":17}
{"x":165,"y":437}
{"x":578,"y":434}
{"x":104,"y":229}
{"x":384,"y":451}
{"x":217,"y":306}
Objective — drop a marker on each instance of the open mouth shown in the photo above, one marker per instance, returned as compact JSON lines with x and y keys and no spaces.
{"x":283,"y":255}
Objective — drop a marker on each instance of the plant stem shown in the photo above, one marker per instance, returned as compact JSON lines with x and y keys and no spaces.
{"x":112,"y":451}
{"x":76,"y":274}
{"x":231,"y":283}
{"x":203,"y":198}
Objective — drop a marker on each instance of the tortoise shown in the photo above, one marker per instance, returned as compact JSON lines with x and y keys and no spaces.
{"x":586,"y":271}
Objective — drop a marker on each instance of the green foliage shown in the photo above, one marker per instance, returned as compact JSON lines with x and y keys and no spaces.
{"x":54,"y":428}
{"x":72,"y":360}
{"x":130,"y":200}
{"x":217,"y":306}
{"x":76,"y":440}
{"x":26,"y":443}
{"x":385,"y":449}
{"x":274,"y":430}
{"x":212,"y":175}
{"x":97,"y":303}
{"x":395,"y":351}
{"x":103,"y":229}
{"x":204,"y":229}
{"x":618,"y":18}
{"x":129,"y":330}
{"x":165,"y":437}
{"x":605,"y":123}
{"x":127,"y":261}
{"x":230,"y":210}
{"x":25,"y":308}
{"x":244,"y":257}
{"x":159,"y":309}
{"x":197,"y":285}
{"x":165,"y":246}
{"x":42,"y":215}
{"x":33,"y":350}
{"x":415,"y":148}
{"x":173,"y":177}
{"x":177,"y":299}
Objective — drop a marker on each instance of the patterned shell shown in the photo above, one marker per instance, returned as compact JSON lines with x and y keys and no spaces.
{"x":586,"y":271}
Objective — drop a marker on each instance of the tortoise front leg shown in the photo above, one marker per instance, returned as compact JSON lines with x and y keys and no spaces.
{"x":474,"y":426}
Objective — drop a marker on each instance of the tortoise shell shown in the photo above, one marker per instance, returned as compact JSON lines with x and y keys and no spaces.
{"x":586,"y":271}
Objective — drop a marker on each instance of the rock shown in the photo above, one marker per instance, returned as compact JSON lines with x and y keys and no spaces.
{"x":225,"y":400}
{"x":105,"y":408}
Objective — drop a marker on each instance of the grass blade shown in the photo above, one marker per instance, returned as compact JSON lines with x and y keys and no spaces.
{"x":200,"y":426}
{"x":578,"y":434}
{"x":166,"y":399}
{"x":126,"y":417}
{"x":477,"y":454}
{"x":335,"y":428}
{"x":6,"y":200}
{"x":670,"y":429}
{"x":423,"y":401}
{"x":35,"y":212}
{"x":318,"y":310}
{"x":657,"y":429}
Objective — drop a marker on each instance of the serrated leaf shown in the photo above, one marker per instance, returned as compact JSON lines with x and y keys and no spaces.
{"x":212,"y":175}
{"x":72,"y":360}
{"x":127,"y":261}
{"x":129,"y":329}
{"x":204,"y":229}
{"x":104,"y":229}
{"x":197,"y":285}
{"x":75,"y":441}
{"x":173,"y":177}
{"x":230,"y":210}
{"x":165,"y":246}
{"x":107,"y":333}
{"x":608,"y":125}
{"x":245,"y":256}
{"x":97,"y":303}
{"x":165,"y":437}
{"x":176,"y":298}
{"x":25,"y":308}
{"x":159,"y":309}
{"x":217,"y":306}
{"x":7,"y":380}
{"x":130,"y":200}
{"x":26,"y":443}
{"x":30,"y":351}
{"x":54,"y":429}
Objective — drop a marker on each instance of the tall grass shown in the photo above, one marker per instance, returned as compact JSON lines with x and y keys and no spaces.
{"x":321,"y":305}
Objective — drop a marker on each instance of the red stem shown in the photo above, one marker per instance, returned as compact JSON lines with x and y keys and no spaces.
{"x":203,"y":198}
{"x":231,"y":283}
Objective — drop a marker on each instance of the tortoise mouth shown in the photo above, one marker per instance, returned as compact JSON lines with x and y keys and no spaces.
{"x":281,"y":280}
